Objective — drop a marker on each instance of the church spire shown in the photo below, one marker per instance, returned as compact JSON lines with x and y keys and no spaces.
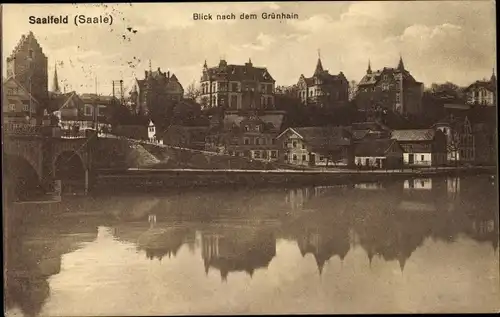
{"x":369,"y":70}
{"x":493,"y":77}
{"x":401,"y":65}
{"x":55,"y":85}
{"x":319,"y":66}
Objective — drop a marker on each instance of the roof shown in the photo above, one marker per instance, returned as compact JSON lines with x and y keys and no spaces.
{"x":276,"y":120}
{"x":413,"y":135}
{"x":373,"y":77}
{"x":18,"y":84}
{"x":488,"y":85}
{"x":240,"y":72}
{"x":59,"y":101}
{"x":378,"y":147}
{"x":374,"y":126}
{"x":320,"y":138}
{"x":158,"y":76}
{"x":25,"y":39}
{"x":98,"y":98}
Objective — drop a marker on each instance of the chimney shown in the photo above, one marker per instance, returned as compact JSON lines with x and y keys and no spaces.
{"x":168,"y":74}
{"x":146,"y":74}
{"x":159,"y":71}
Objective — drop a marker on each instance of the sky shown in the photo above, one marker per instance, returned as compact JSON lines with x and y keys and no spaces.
{"x":439,"y":40}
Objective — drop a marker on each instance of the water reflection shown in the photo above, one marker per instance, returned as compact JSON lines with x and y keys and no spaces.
{"x":238,"y":231}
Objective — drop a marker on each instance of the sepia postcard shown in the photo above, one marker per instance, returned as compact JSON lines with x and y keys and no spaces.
{"x":235,"y":158}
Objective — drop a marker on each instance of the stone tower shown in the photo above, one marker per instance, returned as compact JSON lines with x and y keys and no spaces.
{"x":28,"y":64}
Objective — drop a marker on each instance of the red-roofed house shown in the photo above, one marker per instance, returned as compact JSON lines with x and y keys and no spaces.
{"x":422,"y":147}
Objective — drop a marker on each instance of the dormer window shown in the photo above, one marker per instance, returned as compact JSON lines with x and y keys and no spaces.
{"x":257,"y":128}
{"x":30,"y":55}
{"x":247,"y":128}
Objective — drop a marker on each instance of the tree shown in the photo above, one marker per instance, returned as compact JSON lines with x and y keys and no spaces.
{"x":192,"y":91}
{"x":353,"y":90}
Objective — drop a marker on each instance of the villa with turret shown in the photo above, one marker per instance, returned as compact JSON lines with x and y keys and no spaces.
{"x":394,"y":89}
{"x":323,"y":89}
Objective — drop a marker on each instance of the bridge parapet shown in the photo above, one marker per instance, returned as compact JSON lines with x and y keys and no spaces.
{"x":11,"y":128}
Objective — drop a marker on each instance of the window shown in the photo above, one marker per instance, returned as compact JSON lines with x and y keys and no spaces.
{"x":26,"y":107}
{"x":304,"y":158}
{"x":234,"y":87}
{"x":256,"y":154}
{"x":247,"y":141}
{"x":101,"y":110}
{"x":321,"y":158}
{"x":286,"y":157}
{"x":263,"y":141}
{"x":30,"y":53}
{"x":398,"y":97}
{"x":234,"y":101}
{"x":263,"y":88}
{"x":273,"y":142}
{"x":12,"y":107}
{"x":257,"y":141}
{"x":303,"y":146}
{"x":385,"y":87}
{"x":87,"y":110}
{"x":294,"y":157}
{"x":257,"y":128}
{"x":247,"y":128}
{"x":294,"y":144}
{"x":274,"y":154}
{"x":421,"y":157}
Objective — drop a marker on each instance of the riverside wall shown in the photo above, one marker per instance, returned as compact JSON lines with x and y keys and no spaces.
{"x":150,"y":180}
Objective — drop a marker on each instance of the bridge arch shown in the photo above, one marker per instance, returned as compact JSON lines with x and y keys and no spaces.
{"x":21,"y":178}
{"x":69,"y":164}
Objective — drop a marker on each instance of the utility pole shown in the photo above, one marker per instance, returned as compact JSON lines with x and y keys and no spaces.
{"x":96,"y":114}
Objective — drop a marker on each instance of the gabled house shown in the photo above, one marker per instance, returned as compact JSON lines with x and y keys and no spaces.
{"x":369,"y":130}
{"x":482,"y":92}
{"x":378,"y":153}
{"x":394,"y":89}
{"x":471,"y":136}
{"x":236,"y":87}
{"x":322,"y":88}
{"x":246,"y":134}
{"x":157,"y":89}
{"x":18,"y":104}
{"x":185,"y":137}
{"x":316,"y":146}
{"x":422,"y":147}
{"x":86,"y":111}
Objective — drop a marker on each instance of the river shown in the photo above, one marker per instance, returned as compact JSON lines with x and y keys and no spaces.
{"x":407,"y":246}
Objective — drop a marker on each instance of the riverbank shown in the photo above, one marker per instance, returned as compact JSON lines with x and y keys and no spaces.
{"x":149,"y":179}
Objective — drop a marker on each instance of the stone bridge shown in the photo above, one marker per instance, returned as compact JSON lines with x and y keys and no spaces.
{"x":47,"y":152}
